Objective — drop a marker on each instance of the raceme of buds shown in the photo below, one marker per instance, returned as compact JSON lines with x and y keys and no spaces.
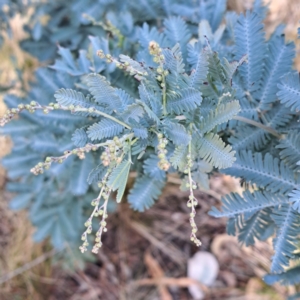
{"x":105,"y":159}
{"x":112,"y":152}
{"x":189,"y":165}
{"x":192,"y":202}
{"x":33,"y":106}
{"x":159,"y":58}
{"x":163,"y":163}
{"x":156,"y":52}
{"x":10,"y":113}
{"x":80,"y":152}
{"x":98,"y":211}
{"x":122,"y":66}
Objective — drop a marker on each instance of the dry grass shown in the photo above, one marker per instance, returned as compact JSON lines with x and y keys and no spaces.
{"x":280,"y":12}
{"x":16,"y":245}
{"x":287,"y":12}
{"x":17,"y":249}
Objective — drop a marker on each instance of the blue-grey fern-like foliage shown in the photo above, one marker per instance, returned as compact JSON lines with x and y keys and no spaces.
{"x":267,"y":160}
{"x":49,"y":192}
{"x":232,"y":102}
{"x":71,"y":28}
{"x":289,"y":277}
{"x":38,"y":135}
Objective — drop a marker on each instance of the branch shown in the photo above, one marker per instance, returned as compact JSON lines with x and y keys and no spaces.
{"x":33,"y":106}
{"x":80,"y":152}
{"x":259,"y":125}
{"x":165,"y":281}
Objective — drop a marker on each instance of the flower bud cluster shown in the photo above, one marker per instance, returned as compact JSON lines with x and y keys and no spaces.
{"x":159,"y":58}
{"x":10,"y":113}
{"x":163,"y":163}
{"x":156,"y":52}
{"x":161,"y":74}
{"x":111,"y":152}
{"x":192,"y":202}
{"x":39,"y":168}
{"x":122,"y":66}
{"x":80,"y":152}
{"x":33,"y":106}
{"x":98,"y":211}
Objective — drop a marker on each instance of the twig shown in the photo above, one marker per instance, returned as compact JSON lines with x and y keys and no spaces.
{"x":157,"y":273}
{"x":27,"y":266}
{"x":248,"y":121}
{"x":176,"y":256}
{"x":184,"y":282}
{"x":165,"y":281}
{"x":33,"y":106}
{"x":259,"y":125}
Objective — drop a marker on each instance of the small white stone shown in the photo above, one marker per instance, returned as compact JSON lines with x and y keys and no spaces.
{"x":203,"y":267}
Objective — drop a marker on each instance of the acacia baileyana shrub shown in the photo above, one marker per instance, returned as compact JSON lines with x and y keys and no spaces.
{"x":193,"y":96}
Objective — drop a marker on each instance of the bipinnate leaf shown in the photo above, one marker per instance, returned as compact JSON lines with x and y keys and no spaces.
{"x":104,"y":129}
{"x":213,"y":150}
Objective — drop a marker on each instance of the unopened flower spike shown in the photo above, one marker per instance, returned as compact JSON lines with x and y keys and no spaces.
{"x":129,"y":65}
{"x":158,"y":57}
{"x":192,"y":202}
{"x":163,"y":163}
